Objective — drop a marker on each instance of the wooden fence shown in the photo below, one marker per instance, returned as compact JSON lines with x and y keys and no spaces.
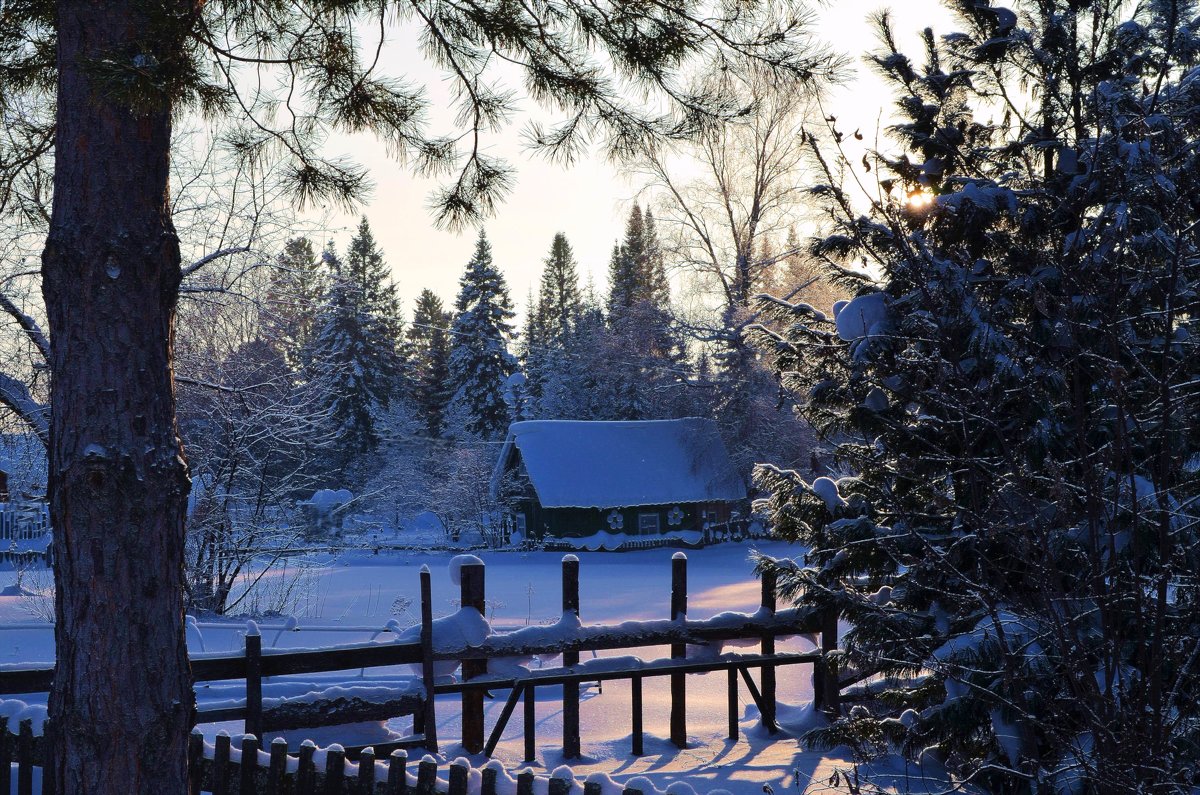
{"x":23,"y":522}
{"x":569,"y":639}
{"x":220,"y":769}
{"x":25,"y":558}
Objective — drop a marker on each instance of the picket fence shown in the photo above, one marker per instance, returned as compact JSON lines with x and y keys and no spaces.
{"x":219,"y":769}
{"x":23,"y":522}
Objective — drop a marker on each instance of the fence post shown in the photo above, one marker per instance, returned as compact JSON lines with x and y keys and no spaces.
{"x":278,"y":769}
{"x":767,"y":676}
{"x":220,"y":768}
{"x":253,"y":723}
{"x":530,"y":722}
{"x":559,"y":786}
{"x":49,"y":785}
{"x":635,"y":687}
{"x":248,"y":768}
{"x":397,"y":783}
{"x":306,"y":770}
{"x":570,"y":604}
{"x":488,"y":785}
{"x":25,"y":759}
{"x":427,"y":777}
{"x":471,"y":584}
{"x":428,"y":707}
{"x":335,"y":769}
{"x":458,"y":779}
{"x":525,"y":783}
{"x":679,"y":650}
{"x":195,"y":761}
{"x":6,"y":754}
{"x":829,"y":643}
{"x":731,"y":687}
{"x":366,"y":772}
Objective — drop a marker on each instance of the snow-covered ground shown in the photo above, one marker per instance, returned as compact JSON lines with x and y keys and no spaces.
{"x":365,"y":590}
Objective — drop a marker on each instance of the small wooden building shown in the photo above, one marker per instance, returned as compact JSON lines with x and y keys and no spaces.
{"x":576,"y":479}
{"x":24,"y":512}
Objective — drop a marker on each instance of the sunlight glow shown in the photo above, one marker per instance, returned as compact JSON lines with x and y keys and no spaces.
{"x":919,"y":200}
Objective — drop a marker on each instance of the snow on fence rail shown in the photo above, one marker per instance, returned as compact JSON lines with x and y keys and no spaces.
{"x":494,"y":662}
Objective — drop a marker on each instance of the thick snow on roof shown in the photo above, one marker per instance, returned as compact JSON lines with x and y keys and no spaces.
{"x":576,"y":464}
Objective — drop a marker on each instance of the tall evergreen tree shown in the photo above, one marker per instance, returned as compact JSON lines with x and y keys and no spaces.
{"x":550,"y":332}
{"x":626,"y":285}
{"x":358,"y":341}
{"x":637,"y":270}
{"x":429,"y":348}
{"x":654,"y":265}
{"x":1015,"y":391}
{"x":559,"y":301}
{"x":379,"y":306}
{"x":531,"y":351}
{"x":293,"y":301}
{"x":480,"y":362}
{"x":343,"y":346}
{"x":647,"y":354}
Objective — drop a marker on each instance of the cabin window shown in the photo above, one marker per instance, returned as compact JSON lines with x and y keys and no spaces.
{"x":647,"y":523}
{"x":520,"y":523}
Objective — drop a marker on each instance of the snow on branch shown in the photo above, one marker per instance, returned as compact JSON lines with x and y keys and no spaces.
{"x":15,"y":395}
{"x":28,"y":325}
{"x":211,"y":257}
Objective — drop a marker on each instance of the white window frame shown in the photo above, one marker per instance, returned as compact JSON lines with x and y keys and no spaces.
{"x":642,"y":529}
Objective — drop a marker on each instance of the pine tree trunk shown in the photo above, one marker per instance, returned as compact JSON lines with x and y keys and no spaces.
{"x":122,"y":701}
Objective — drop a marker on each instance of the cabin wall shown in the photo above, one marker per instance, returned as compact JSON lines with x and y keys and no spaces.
{"x":581,"y":522}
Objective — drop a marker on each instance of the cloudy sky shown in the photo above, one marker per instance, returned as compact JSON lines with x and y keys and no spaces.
{"x":589,"y":201}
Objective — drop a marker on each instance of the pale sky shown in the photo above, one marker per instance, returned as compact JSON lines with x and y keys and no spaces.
{"x":588,"y":201}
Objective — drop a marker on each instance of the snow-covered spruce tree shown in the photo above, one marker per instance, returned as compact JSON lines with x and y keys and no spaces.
{"x":646,"y":356}
{"x":559,"y":300}
{"x":380,"y":308}
{"x":299,"y":284}
{"x":572,"y":380}
{"x":636,"y":273}
{"x":531,"y":351}
{"x":429,"y":349}
{"x":550,"y":343}
{"x":358,"y":330}
{"x":1015,"y":389}
{"x":480,"y":362}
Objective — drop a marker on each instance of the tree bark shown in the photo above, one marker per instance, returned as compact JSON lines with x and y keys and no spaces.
{"x":122,"y":700}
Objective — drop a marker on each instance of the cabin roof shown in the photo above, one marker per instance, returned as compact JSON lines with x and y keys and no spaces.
{"x":583,"y":464}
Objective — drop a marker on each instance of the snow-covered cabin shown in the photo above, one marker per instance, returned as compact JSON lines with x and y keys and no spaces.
{"x":23,"y":471}
{"x":22,"y":467}
{"x":573,"y":479}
